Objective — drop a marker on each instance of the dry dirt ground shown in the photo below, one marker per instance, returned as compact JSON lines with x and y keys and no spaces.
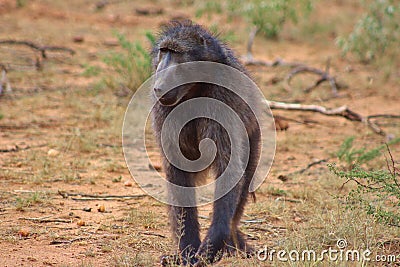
{"x":60,"y":131}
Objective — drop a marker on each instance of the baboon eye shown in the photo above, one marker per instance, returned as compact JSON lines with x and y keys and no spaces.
{"x":166,"y":49}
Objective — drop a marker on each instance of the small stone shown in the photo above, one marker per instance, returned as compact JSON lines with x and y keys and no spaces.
{"x":53,"y":152}
{"x":128,"y":183}
{"x":23,"y":233}
{"x":78,"y":39}
{"x":81,"y":223}
{"x":101,"y":208}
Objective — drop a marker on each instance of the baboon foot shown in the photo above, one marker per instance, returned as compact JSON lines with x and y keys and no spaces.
{"x":174,"y":260}
{"x":239,"y":246}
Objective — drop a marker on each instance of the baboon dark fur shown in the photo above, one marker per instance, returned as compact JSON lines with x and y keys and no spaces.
{"x":181,"y":42}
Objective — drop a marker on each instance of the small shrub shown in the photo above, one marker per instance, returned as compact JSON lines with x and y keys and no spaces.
{"x":131,"y":67}
{"x":268,"y":16}
{"x":28,"y":201}
{"x":377,"y":30}
{"x":377,"y":191}
{"x":91,"y":71}
{"x":358,"y":156}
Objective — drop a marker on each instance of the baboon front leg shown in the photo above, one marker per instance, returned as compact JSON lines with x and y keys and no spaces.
{"x":184,"y":220}
{"x":186,"y":230}
{"x":218,"y":234}
{"x":237,"y":243}
{"x":211,"y":249}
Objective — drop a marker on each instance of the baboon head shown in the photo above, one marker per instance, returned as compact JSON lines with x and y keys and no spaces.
{"x":180,"y":42}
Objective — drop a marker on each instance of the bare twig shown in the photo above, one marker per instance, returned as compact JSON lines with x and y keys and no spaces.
{"x":276,"y":63}
{"x":324,"y":76}
{"x":88,"y":197}
{"x":4,"y":80}
{"x":103,"y":3}
{"x":41,"y":49}
{"x":252,"y":35}
{"x":390,"y":116}
{"x":17,"y":148}
{"x":153,"y":234}
{"x":297,"y":67}
{"x":288,"y":200}
{"x":59,"y":242}
{"x":46,"y":220}
{"x":393,"y":171}
{"x":312,"y":164}
{"x":285,"y":177}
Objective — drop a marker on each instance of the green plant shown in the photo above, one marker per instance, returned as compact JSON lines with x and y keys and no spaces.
{"x":226,"y":36}
{"x":359,"y":156}
{"x":268,"y":16}
{"x":20,"y":3}
{"x":377,"y":192}
{"x":377,"y":30}
{"x":132,"y":66}
{"x":90,"y":71}
{"x":28,"y":201}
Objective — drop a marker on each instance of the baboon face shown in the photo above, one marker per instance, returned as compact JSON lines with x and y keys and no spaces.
{"x":168,"y":55}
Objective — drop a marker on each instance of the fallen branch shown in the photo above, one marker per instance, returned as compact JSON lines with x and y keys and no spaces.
{"x":153,"y":234}
{"x":17,"y":148}
{"x":41,"y":49}
{"x":285,"y":177}
{"x":342,"y":111}
{"x":297,"y":67}
{"x":59,"y":242}
{"x":103,"y":3}
{"x":390,"y":116}
{"x":88,"y":197}
{"x":46,"y":220}
{"x":325,"y":76}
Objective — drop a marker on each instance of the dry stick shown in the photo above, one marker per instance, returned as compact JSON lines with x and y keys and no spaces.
{"x":58,"y":242}
{"x":312,"y":164}
{"x":393,"y":171}
{"x":390,"y":116}
{"x":298,"y":67}
{"x":324,"y":77}
{"x":153,"y":234}
{"x":17,"y":148}
{"x":87,"y":197}
{"x":4,"y":80}
{"x":46,"y":220}
{"x":41,"y":49}
{"x":284,"y":177}
{"x":342,"y":111}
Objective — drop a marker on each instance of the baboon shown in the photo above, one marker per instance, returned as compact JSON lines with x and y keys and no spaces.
{"x":181,"y":42}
